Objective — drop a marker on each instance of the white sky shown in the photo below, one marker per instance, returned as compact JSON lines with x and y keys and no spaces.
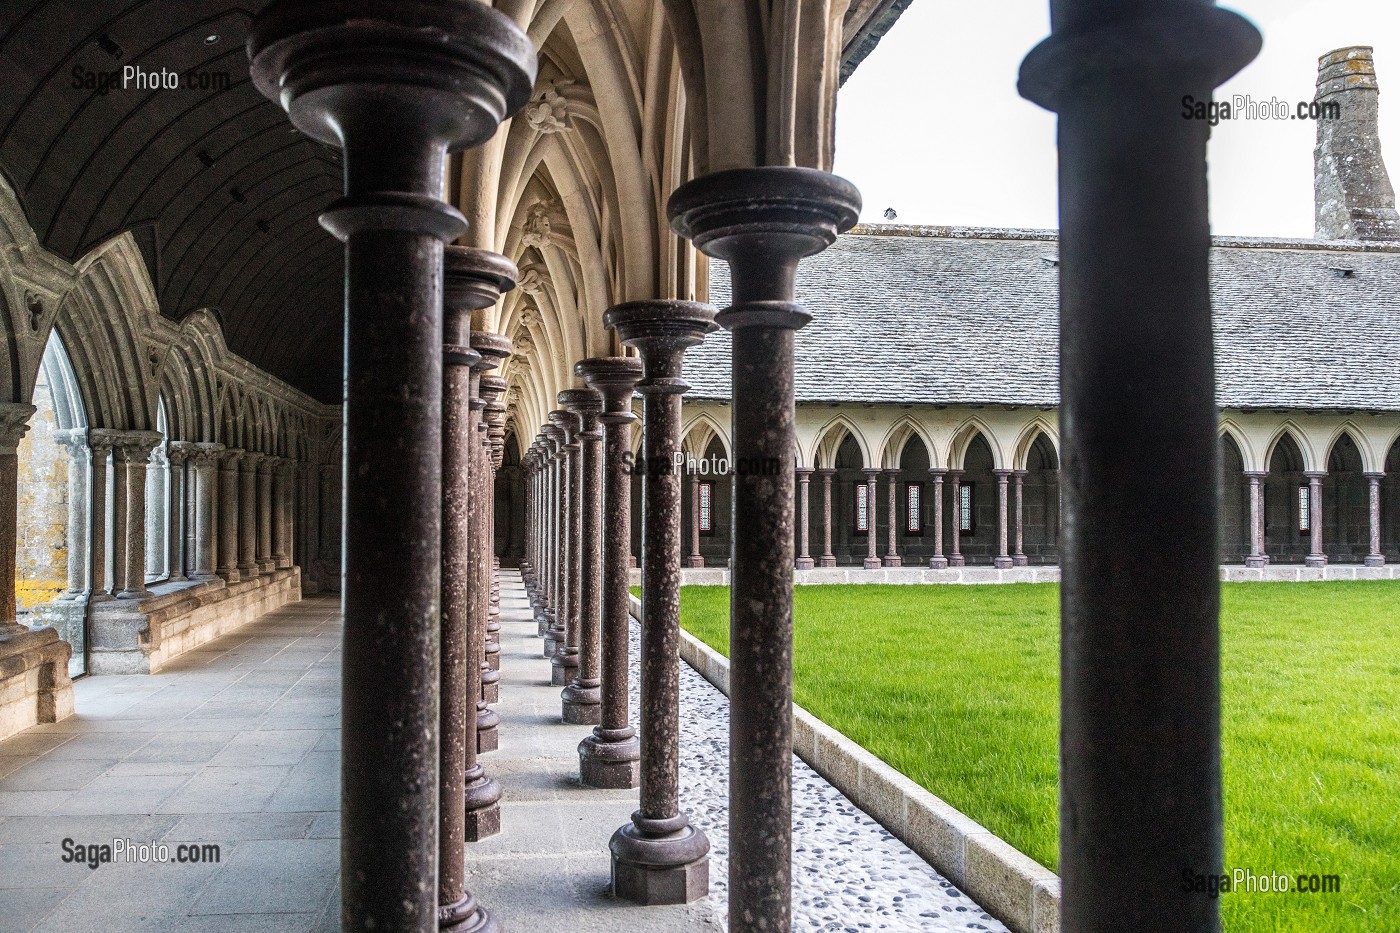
{"x":931,"y":124}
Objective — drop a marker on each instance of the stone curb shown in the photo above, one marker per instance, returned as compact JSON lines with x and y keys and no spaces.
{"x":1229,"y":573}
{"x":1011,"y":886}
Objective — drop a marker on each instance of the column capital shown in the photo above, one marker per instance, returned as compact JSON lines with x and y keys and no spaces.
{"x":1019,"y":474}
{"x":230,"y":457}
{"x":826,"y":471}
{"x":205,"y":454}
{"x":567,"y":424}
{"x":804,"y":473}
{"x":266,"y":463}
{"x":128,"y":445}
{"x":871,"y":472}
{"x":615,"y":378}
{"x":1256,"y":474}
{"x":891,"y":471}
{"x":1373,"y":476}
{"x":177,"y":452}
{"x":493,"y":349}
{"x":587,"y":404}
{"x":1315,"y":474}
{"x":937,"y":472}
{"x":14,"y":423}
{"x":662,"y":330}
{"x":1001,"y":473}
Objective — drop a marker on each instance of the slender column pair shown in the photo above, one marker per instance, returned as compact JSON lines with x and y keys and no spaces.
{"x":204,"y":461}
{"x":938,"y":561}
{"x":763,"y":221}
{"x":610,"y":757}
{"x":131,"y":453}
{"x":266,"y":467}
{"x":892,"y":558}
{"x":804,"y":510}
{"x":695,"y":558}
{"x":1019,"y":559}
{"x":556,"y":637}
{"x":1002,"y":560}
{"x":75,"y":443}
{"x":248,"y":513}
{"x":229,"y":460}
{"x":1140,"y":795}
{"x":1375,"y":558}
{"x":177,"y":456}
{"x":486,"y":389}
{"x":659,"y":858}
{"x":1316,"y":556}
{"x":564,"y":662}
{"x":469,"y":808}
{"x":828,"y":559}
{"x":872,"y":556}
{"x":441,"y":75}
{"x":955,"y":557}
{"x":1257,"y":557}
{"x":583,"y":696}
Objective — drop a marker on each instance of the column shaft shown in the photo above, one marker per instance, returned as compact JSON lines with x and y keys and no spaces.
{"x":937,"y":561}
{"x":1374,"y":557}
{"x":892,"y":558}
{"x":804,"y":512}
{"x":1003,"y":559}
{"x":828,"y":559}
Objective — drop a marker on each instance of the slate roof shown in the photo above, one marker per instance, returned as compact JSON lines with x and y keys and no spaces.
{"x":968,"y":316}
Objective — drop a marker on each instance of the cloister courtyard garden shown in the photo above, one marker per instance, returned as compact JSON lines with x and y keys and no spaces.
{"x":958,"y":688}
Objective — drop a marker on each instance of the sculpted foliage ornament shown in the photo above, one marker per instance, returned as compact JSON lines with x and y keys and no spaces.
{"x":549,"y":113}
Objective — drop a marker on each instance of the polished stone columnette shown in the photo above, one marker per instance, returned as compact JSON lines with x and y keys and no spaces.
{"x":564,"y":662}
{"x":611,"y":756}
{"x":550,"y":617}
{"x":469,"y":808}
{"x":486,"y":388}
{"x":396,"y":86}
{"x":659,"y":858}
{"x":582,"y":698}
{"x":1140,"y":458}
{"x":763,"y":222}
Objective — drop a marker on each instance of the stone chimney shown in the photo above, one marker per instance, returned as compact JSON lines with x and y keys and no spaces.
{"x":1352,"y":192}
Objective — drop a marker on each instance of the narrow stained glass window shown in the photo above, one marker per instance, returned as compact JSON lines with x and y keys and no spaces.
{"x":1304,"y":510}
{"x":965,"y":508}
{"x":914,"y":501}
{"x":862,"y":508}
{"x":707,"y":518}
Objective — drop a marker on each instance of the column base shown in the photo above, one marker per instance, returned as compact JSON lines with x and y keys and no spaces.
{"x":490,"y":686}
{"x":488,"y":738}
{"x":827,"y":560}
{"x":657,"y":870}
{"x":957,"y":560}
{"x":583,"y":704}
{"x":1374,"y":560}
{"x":1315,"y":560}
{"x":893,"y":561}
{"x":938,"y":563}
{"x":1256,"y":561}
{"x":230,"y":575}
{"x":1020,"y":560}
{"x":1002,"y":563}
{"x":804,"y":563}
{"x":563,"y":665}
{"x":204,"y":577}
{"x":465,"y":916}
{"x":871,"y":563}
{"x":483,"y":805}
{"x":142,"y":593}
{"x":610,"y":759}
{"x":493,"y":655}
{"x":695,"y":561}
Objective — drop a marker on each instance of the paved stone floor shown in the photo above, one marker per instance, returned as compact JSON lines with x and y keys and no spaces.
{"x":237,"y":744}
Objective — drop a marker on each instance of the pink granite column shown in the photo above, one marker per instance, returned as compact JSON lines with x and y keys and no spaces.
{"x":955,"y":559}
{"x":1019,"y":559}
{"x":872,"y":558}
{"x":1003,"y":559}
{"x":804,"y":510}
{"x":1316,"y":557}
{"x":892,"y":558}
{"x":1257,"y":557}
{"x":1375,"y":558}
{"x":695,"y":559}
{"x":937,"y":561}
{"x":828,"y":559}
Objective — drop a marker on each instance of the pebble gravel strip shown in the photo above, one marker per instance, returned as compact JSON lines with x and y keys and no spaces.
{"x":849,"y":872}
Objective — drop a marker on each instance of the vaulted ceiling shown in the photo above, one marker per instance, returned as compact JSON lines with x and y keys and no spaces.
{"x":220,"y":192}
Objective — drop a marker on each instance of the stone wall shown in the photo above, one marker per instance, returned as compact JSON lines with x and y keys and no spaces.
{"x":42,"y":554}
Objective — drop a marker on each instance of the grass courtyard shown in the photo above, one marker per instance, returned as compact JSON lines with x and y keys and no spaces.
{"x":958,"y":687}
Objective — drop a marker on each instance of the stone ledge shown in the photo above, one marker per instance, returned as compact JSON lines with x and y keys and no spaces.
{"x":1009,"y":885}
{"x":142,"y":636}
{"x":1229,"y":573}
{"x":34,"y":682}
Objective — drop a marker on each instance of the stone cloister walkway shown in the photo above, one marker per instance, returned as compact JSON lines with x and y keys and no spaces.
{"x":237,"y":744}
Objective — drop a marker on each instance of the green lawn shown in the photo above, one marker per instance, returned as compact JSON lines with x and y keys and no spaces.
{"x":958,"y":687}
